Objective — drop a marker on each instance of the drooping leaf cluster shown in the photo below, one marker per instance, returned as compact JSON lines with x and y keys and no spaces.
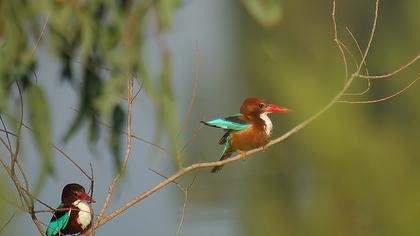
{"x":99,"y":45}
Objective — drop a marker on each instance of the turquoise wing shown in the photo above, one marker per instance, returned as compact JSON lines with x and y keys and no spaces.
{"x":232,"y":123}
{"x":58,"y":224}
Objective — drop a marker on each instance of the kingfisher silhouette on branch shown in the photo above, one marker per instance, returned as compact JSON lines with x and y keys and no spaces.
{"x":248,"y":130}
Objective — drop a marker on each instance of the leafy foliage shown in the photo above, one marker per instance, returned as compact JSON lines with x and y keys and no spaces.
{"x":102,"y":36}
{"x":266,"y":12}
{"x":100,"y":46}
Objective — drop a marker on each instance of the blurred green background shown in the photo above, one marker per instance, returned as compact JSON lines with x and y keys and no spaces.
{"x":353,"y":171}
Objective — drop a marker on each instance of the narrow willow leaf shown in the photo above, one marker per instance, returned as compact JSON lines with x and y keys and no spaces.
{"x":112,"y":92}
{"x":167,"y":111}
{"x":92,"y":85}
{"x":3,"y":97}
{"x":118,"y":121}
{"x":165,"y":10}
{"x":39,"y":116}
{"x":266,"y":12}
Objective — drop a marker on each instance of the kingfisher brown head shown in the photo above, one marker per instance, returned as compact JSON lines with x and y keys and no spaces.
{"x":256,"y":106}
{"x":73,"y":192}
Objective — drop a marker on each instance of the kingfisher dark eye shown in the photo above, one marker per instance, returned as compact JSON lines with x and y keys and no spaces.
{"x":261,"y":105}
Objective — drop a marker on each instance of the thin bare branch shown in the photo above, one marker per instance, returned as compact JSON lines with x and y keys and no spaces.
{"x":37,"y":199}
{"x":126,"y":156}
{"x":17,"y":148}
{"x":7,"y":222}
{"x":372,"y":34}
{"x":356,"y":42}
{"x":184,"y":206}
{"x":365,"y":64}
{"x":63,"y":154}
{"x":392,"y":73}
{"x":25,"y":177}
{"x":192,"y":138}
{"x":59,"y":150}
{"x":9,"y":149}
{"x":382,"y":99}
{"x":7,"y":133}
{"x":339,"y":43}
{"x":163,"y":176}
{"x":139,"y":90}
{"x":40,"y":35}
{"x":194,"y":91}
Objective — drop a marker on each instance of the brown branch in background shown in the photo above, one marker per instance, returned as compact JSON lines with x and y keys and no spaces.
{"x":7,"y":222}
{"x":24,"y":201}
{"x":60,"y":151}
{"x":7,"y":132}
{"x":184,"y":206}
{"x":392,"y":73}
{"x":348,"y":51}
{"x":339,"y":43}
{"x":25,"y":177}
{"x":194,"y":91}
{"x":372,"y":34}
{"x":139,"y":90}
{"x":126,"y":156}
{"x":6,"y":146}
{"x":384,"y":98}
{"x":185,"y":191}
{"x":17,"y":148}
{"x":365,"y":64}
{"x":38,"y":200}
{"x":192,"y":138}
{"x":9,"y":145}
{"x":40,"y":35}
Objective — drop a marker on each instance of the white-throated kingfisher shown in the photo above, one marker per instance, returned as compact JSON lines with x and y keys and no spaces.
{"x":248,"y":130}
{"x":74,"y":214}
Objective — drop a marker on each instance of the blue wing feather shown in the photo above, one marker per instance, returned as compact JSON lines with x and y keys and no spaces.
{"x":56,"y":225}
{"x":230,"y":123}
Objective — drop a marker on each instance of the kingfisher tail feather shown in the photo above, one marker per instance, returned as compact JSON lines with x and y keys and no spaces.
{"x":225,"y":155}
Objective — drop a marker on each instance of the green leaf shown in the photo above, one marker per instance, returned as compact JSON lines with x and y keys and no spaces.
{"x":118,"y":120}
{"x":165,"y":10}
{"x":3,"y":97}
{"x":39,"y":117}
{"x":111,"y":93}
{"x":266,"y":12}
{"x":167,"y":108}
{"x":90,"y":91}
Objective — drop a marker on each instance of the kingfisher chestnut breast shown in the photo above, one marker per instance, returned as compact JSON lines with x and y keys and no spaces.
{"x":248,"y":130}
{"x":74,"y":215}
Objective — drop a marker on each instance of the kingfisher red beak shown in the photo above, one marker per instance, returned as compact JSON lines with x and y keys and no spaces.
{"x":274,"y":108}
{"x":86,"y":197}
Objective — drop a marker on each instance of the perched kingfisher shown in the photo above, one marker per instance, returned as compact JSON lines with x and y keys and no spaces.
{"x":74,"y":214}
{"x":248,"y":130}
